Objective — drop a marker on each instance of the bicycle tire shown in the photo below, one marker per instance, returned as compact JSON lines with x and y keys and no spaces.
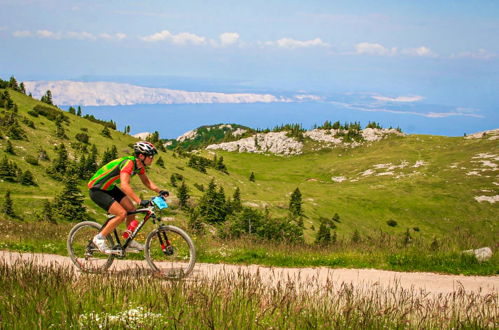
{"x":183,"y":253}
{"x":81,"y":250}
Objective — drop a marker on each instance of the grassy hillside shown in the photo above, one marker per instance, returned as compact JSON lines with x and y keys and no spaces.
{"x":427,"y":184}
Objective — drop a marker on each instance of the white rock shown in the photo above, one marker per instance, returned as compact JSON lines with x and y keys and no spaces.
{"x":490,"y":199}
{"x":142,"y":136}
{"x":491,"y":134}
{"x":187,"y":135}
{"x":338,"y":178}
{"x":482,"y":254}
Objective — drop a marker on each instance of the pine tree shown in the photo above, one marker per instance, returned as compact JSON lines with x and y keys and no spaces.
{"x":7,"y":173}
{"x":220,"y":166}
{"x":78,"y":112}
{"x":183,"y":195}
{"x":69,"y":202}
{"x":8,"y":205}
{"x":236,"y":204}
{"x":356,"y":236}
{"x":213,"y":205}
{"x":9,"y":148}
{"x":60,"y":132}
{"x":27,"y":179}
{"x":109,"y":155}
{"x":295,"y":203}
{"x":47,"y":213}
{"x":61,"y":162}
{"x":13,"y":83}
{"x":160,"y":162}
{"x":252,"y":177}
{"x":72,"y":110}
{"x":105,"y":132}
{"x":91,"y":164}
{"x":47,"y":98}
{"x":173,"y":180}
{"x":323,"y":235}
{"x":22,"y":88}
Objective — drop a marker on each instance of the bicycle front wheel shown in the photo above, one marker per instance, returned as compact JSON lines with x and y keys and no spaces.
{"x":170,"y":251}
{"x":83,"y":252}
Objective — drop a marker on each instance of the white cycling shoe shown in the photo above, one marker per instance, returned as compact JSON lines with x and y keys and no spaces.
{"x":101,"y":243}
{"x":134,"y":246}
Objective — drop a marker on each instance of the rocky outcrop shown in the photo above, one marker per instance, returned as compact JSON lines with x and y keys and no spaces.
{"x":279,"y":143}
{"x":490,"y":135}
{"x":274,"y":142}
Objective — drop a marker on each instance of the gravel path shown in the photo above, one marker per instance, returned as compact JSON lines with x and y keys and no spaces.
{"x":305,"y":277}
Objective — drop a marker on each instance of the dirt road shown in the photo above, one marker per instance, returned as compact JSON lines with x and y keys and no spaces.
{"x":313,"y":277}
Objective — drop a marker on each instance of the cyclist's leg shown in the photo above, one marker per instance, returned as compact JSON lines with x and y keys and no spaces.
{"x":128,"y":205}
{"x":120,"y":214}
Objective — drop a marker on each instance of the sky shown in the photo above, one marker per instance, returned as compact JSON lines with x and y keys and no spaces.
{"x":407,"y":56}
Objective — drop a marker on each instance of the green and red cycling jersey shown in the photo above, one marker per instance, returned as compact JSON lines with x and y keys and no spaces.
{"x":108,"y":176}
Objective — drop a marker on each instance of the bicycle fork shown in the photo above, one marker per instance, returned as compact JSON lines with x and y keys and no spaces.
{"x":166,"y":246}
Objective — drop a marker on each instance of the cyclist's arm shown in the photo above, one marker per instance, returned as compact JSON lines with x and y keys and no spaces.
{"x":126,"y":188}
{"x":148,"y":183}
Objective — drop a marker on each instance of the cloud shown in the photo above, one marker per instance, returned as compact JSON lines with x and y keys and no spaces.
{"x":292,"y":43}
{"x":229,"y":38}
{"x":420,"y":51}
{"x":308,"y":98}
{"x":22,"y":34}
{"x":46,"y":34}
{"x":374,"y":49}
{"x":480,"y":54}
{"x":183,"y":38}
{"x":413,"y":98}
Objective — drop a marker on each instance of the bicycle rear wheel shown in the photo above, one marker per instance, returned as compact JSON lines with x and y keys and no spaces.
{"x":170,"y":251}
{"x":84,"y":254}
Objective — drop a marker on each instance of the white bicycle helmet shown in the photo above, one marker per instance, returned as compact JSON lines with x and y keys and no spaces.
{"x":145,"y":148}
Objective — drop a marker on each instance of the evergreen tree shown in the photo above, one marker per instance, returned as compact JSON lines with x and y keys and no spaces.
{"x":69,"y":202}
{"x":7,"y":172}
{"x":47,"y":213}
{"x":105,"y":132}
{"x":109,"y":155}
{"x":8,"y":205}
{"x":323,"y":235}
{"x":47,"y":98}
{"x":13,"y":84}
{"x":91,"y":163}
{"x":27,"y":179}
{"x":72,"y":110}
{"x":9,"y":148}
{"x":295,"y":203}
{"x":173,"y":180}
{"x":220,"y":166}
{"x":183,"y":195}
{"x":160,"y":162}
{"x":22,"y":88}
{"x":252,"y":177}
{"x":195,"y":223}
{"x":213,"y":205}
{"x":61,"y":162}
{"x":356,"y":236}
{"x":236,"y":204}
{"x":60,"y":132}
{"x":78,"y":112}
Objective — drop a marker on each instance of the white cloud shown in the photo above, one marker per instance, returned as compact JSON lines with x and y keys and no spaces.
{"x":308,"y":97}
{"x":480,"y":54}
{"x":229,"y":38}
{"x":403,"y":99}
{"x":420,"y":51}
{"x":22,"y":34}
{"x":83,"y":35}
{"x":188,"y":38}
{"x":178,"y":39}
{"x":374,"y":49}
{"x":292,"y":43}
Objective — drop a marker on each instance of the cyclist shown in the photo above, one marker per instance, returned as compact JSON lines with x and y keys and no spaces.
{"x":105,"y":192}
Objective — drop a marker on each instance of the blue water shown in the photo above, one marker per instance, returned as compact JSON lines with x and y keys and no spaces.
{"x":174,"y":120}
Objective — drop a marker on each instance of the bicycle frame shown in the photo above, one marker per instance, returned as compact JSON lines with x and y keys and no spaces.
{"x":149,"y":214}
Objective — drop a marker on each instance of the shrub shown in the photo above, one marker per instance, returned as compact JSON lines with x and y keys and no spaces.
{"x":199,"y":187}
{"x":82,"y":137}
{"x":31,"y":160}
{"x":392,"y":223}
{"x":415,"y":229}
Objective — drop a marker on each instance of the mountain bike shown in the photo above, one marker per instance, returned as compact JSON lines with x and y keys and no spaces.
{"x":168,"y":250}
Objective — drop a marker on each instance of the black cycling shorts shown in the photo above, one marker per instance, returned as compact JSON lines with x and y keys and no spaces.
{"x":105,"y":198}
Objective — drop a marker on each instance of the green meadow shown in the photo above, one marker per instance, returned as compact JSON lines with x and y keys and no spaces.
{"x":425,"y":185}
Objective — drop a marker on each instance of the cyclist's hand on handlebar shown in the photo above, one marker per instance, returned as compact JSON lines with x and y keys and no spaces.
{"x":145,"y":203}
{"x":164,"y":193}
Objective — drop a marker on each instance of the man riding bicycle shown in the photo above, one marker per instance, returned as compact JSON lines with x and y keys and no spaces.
{"x":105,"y":192}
